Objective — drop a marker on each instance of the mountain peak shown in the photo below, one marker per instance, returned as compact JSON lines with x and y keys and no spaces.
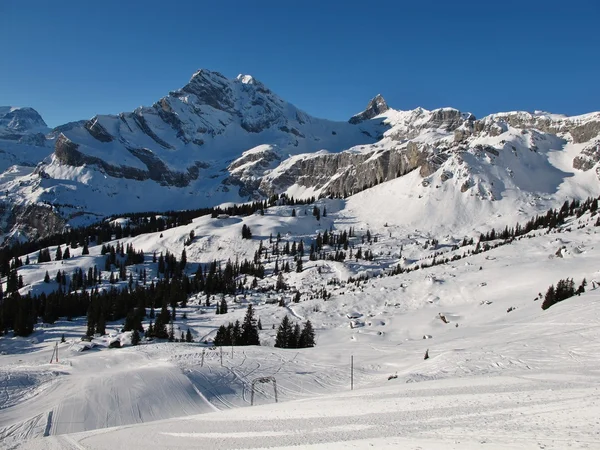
{"x":16,"y":121}
{"x":376,"y":106}
{"x":246,"y":79}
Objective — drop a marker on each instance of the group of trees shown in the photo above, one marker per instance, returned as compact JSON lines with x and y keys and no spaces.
{"x":245,"y":333}
{"x":564,"y":289}
{"x":552,"y":219}
{"x":246,"y":233}
{"x":291,"y":336}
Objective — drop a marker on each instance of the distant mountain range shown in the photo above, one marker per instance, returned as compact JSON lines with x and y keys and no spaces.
{"x":219,"y":140}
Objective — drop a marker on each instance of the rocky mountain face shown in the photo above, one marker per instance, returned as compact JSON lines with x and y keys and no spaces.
{"x":231,"y":140}
{"x":16,"y":123}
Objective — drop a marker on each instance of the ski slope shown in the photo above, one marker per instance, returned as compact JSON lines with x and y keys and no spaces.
{"x":524,"y":378}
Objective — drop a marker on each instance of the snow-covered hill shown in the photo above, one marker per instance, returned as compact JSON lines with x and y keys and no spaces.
{"x":502,"y":372}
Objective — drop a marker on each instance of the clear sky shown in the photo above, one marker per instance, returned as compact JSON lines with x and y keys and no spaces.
{"x":71,"y":59}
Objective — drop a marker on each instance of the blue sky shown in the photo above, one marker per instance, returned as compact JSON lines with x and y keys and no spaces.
{"x":71,"y":59}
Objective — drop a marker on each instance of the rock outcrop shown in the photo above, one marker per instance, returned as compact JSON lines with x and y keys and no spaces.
{"x":375,"y":107}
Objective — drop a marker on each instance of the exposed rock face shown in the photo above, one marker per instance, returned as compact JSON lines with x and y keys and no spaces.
{"x":98,"y":131}
{"x":588,"y":157}
{"x":375,"y":107}
{"x":67,"y":152}
{"x":344,"y":173}
{"x":35,"y":220}
{"x":585,"y":132}
{"x":247,"y":171}
{"x":448,"y":119}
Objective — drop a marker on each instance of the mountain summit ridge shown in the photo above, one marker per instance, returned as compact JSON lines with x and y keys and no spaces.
{"x":218,"y":140}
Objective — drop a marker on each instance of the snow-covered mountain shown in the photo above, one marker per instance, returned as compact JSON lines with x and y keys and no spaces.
{"x":16,"y":122}
{"x":219,"y":140}
{"x":23,"y":139}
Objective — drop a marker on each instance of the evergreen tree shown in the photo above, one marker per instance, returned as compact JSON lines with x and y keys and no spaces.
{"x":25,"y":315}
{"x":221,"y":336}
{"x":171,"y":333}
{"x":135,"y":337}
{"x":223,"y":306}
{"x":58,"y":255}
{"x":295,"y":337}
{"x":284,"y":332}
{"x":85,"y":250}
{"x":249,"y":328}
{"x":66,"y":254}
{"x":280,"y":285}
{"x":307,"y":336}
{"x":246,"y":233}
{"x":188,"y":336}
{"x":47,"y":277}
{"x":236,"y":333}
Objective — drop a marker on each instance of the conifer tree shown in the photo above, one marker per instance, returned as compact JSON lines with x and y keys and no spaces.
{"x":295,"y":337}
{"x":188,"y":336}
{"x":284,"y":332}
{"x":135,"y":337}
{"x":236,"y":333}
{"x":249,"y":334}
{"x":58,"y":255}
{"x":307,"y":336}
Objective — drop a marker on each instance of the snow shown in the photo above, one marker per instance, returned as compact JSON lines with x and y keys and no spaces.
{"x":501,"y":373}
{"x":519,"y":379}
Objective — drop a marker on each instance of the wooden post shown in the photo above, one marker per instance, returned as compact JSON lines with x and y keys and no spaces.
{"x":352,"y":372}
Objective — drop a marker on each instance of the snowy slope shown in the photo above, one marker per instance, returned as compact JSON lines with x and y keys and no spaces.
{"x":501,"y":378}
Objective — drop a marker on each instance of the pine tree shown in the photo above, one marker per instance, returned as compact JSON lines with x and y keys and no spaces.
{"x":85,"y":250}
{"x":249,"y":329}
{"x":295,"y":337}
{"x":284,"y":332}
{"x":246,"y":233}
{"x":223,"y":306}
{"x":221,"y":336}
{"x":67,"y":253}
{"x":188,"y":336}
{"x":236,"y":333}
{"x":58,"y":255}
{"x":135,"y":337}
{"x":47,"y":277}
{"x":280,"y":285}
{"x":307,"y":336}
